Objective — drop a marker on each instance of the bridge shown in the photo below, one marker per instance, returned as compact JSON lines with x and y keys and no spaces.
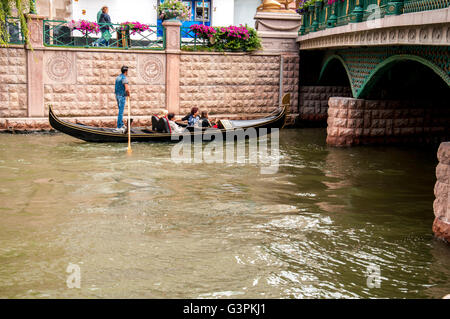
{"x":378,"y":71}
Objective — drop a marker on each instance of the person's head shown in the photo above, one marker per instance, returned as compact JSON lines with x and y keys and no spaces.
{"x":170,"y":116}
{"x":124,"y":70}
{"x":194,"y":111}
{"x":205,"y":114}
{"x":105,"y":9}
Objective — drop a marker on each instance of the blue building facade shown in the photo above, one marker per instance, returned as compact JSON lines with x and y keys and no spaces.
{"x":200,"y":12}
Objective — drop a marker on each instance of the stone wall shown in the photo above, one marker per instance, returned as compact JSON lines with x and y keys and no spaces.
{"x":232,"y":83}
{"x":80,"y":83}
{"x":291,"y":76}
{"x":356,"y":121}
{"x":313,"y":101}
{"x":13,"y":83}
{"x":441,"y":225}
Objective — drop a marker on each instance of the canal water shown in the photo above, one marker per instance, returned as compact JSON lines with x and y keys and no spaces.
{"x":323,"y":226}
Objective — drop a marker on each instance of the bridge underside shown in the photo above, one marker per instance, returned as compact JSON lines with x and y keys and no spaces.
{"x":387,"y":83}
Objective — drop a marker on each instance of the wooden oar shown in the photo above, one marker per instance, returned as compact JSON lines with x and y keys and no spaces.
{"x":129,"y":127}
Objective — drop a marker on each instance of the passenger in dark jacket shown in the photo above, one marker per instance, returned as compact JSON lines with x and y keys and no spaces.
{"x":204,"y":119}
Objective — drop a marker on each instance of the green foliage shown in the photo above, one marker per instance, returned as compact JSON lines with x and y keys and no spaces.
{"x":173,"y":9}
{"x":224,"y":42}
{"x":305,"y":4}
{"x":232,"y":38}
{"x":6,"y":8}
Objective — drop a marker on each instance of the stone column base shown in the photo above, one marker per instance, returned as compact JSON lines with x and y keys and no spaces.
{"x":357,"y":121}
{"x":441,"y":229}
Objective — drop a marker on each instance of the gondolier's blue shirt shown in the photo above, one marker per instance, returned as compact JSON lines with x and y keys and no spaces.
{"x":121,"y":80}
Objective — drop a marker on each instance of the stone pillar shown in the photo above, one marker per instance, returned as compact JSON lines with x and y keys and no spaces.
{"x":173,"y":33}
{"x":278,"y":31}
{"x":441,"y":206}
{"x":345,"y":121}
{"x":35,"y":66}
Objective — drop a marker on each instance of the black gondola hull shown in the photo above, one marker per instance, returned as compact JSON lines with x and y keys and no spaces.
{"x":106,"y":135}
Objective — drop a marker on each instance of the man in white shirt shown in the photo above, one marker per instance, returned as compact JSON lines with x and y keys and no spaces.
{"x":174,"y":127}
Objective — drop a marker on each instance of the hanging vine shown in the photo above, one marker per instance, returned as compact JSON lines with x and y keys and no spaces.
{"x":6,"y":8}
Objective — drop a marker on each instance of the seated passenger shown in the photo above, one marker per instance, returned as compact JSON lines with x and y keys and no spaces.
{"x":185,"y":118}
{"x":175,"y":128}
{"x":193,"y":117}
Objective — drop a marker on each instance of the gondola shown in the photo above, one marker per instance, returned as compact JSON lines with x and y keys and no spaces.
{"x":160,"y":130}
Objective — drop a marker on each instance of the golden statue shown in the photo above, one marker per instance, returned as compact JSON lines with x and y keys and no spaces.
{"x":275,"y":6}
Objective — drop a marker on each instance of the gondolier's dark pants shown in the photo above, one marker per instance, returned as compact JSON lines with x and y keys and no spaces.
{"x":121,"y":105}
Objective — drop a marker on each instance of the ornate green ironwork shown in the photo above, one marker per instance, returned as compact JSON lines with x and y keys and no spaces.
{"x":189,"y":40}
{"x":321,"y":15}
{"x":394,"y":7}
{"x":332,"y":20}
{"x":363,"y":65}
{"x":422,"y":5}
{"x":357,"y":13}
{"x":58,"y":34}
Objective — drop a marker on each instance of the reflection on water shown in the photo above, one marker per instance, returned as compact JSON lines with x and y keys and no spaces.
{"x":143,"y":226}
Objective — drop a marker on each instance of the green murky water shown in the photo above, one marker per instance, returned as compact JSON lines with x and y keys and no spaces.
{"x":143,"y":226}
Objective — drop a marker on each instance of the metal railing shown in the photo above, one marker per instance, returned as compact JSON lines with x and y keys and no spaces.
{"x":423,"y":5}
{"x":14,"y":30}
{"x":322,"y":15}
{"x":189,"y":41}
{"x":59,"y":34}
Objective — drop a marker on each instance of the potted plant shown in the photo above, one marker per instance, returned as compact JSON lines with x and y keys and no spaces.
{"x":134,"y":27}
{"x":127,"y":28}
{"x":84,"y":27}
{"x":301,"y":7}
{"x":204,"y":32}
{"x":173,"y":10}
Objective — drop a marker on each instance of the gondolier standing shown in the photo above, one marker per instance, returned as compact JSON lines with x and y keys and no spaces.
{"x":122,"y":90}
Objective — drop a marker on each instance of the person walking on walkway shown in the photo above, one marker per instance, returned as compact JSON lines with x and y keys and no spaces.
{"x":104,"y":21}
{"x":122,"y":90}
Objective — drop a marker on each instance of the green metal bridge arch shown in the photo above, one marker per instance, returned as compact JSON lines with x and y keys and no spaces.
{"x":382,"y":67}
{"x":337,"y":57}
{"x":364,"y":66}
